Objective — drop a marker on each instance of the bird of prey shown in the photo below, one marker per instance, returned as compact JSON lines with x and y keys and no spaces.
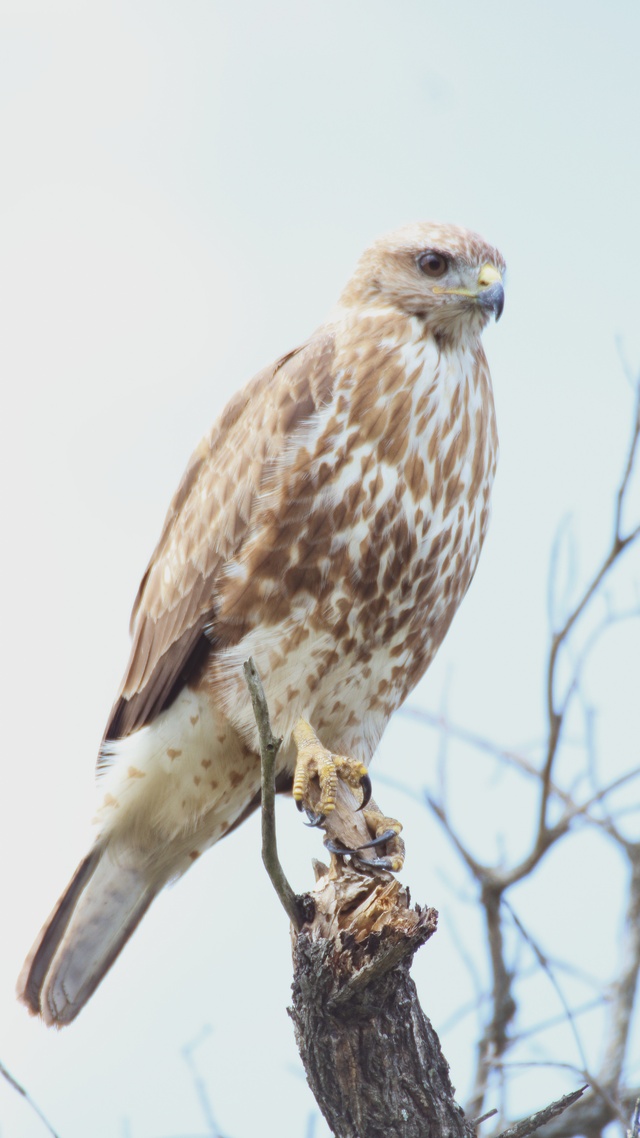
{"x":328,"y":526}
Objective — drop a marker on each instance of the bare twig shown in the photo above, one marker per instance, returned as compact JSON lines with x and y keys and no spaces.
{"x":556,"y":1020}
{"x":542,"y":1117}
{"x":27,"y":1097}
{"x":484,"y":1117}
{"x":269,"y":746}
{"x":441,"y":723}
{"x":521,"y":763}
{"x":555,"y":714}
{"x":546,"y":967}
{"x":563,"y":536}
{"x":479,"y":871}
{"x":591,"y":1115}
{"x":628,"y":470}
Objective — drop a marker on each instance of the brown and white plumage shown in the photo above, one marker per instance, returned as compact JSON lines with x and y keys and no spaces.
{"x":329,"y":526}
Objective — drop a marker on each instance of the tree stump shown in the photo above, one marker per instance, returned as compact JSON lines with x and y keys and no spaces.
{"x":372,"y":1059}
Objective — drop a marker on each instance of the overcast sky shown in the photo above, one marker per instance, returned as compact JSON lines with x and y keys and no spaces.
{"x":184,"y":189}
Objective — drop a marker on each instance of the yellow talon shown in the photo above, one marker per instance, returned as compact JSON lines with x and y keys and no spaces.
{"x":380,"y":824}
{"x":315,"y":761}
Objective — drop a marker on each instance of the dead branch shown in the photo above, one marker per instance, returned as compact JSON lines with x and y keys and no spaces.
{"x":528,"y":1125}
{"x":372,"y":1059}
{"x":590,"y":1116}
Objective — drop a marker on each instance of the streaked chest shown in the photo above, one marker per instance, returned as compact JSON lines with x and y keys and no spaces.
{"x":416,"y":454}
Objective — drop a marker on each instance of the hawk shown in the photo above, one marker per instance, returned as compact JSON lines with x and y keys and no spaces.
{"x":328,"y":526}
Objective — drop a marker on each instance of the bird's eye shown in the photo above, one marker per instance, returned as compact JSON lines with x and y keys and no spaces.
{"x":432,"y":264}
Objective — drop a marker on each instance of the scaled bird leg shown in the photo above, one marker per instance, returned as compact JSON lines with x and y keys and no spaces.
{"x":315,"y":761}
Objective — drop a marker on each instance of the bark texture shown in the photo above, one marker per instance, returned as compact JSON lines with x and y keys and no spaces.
{"x":372,"y":1059}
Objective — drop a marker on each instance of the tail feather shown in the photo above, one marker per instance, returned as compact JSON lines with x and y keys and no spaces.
{"x":91,"y":923}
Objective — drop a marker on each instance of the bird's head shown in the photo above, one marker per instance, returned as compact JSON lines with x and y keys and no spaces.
{"x":447,"y":276}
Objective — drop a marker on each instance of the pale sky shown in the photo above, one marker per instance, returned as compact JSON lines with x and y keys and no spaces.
{"x":185,"y":188}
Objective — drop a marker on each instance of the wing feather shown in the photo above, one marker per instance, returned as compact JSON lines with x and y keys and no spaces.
{"x":209,"y":519}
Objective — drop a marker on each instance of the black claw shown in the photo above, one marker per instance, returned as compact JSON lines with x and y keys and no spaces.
{"x":314,"y":819}
{"x":372,"y":863}
{"x":367,"y":846}
{"x":365,"y":783}
{"x":386,"y":837}
{"x":377,"y":863}
{"x":334,"y":848}
{"x":366,"y":863}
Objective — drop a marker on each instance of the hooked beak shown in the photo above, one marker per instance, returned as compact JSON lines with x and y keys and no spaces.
{"x":489,"y":292}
